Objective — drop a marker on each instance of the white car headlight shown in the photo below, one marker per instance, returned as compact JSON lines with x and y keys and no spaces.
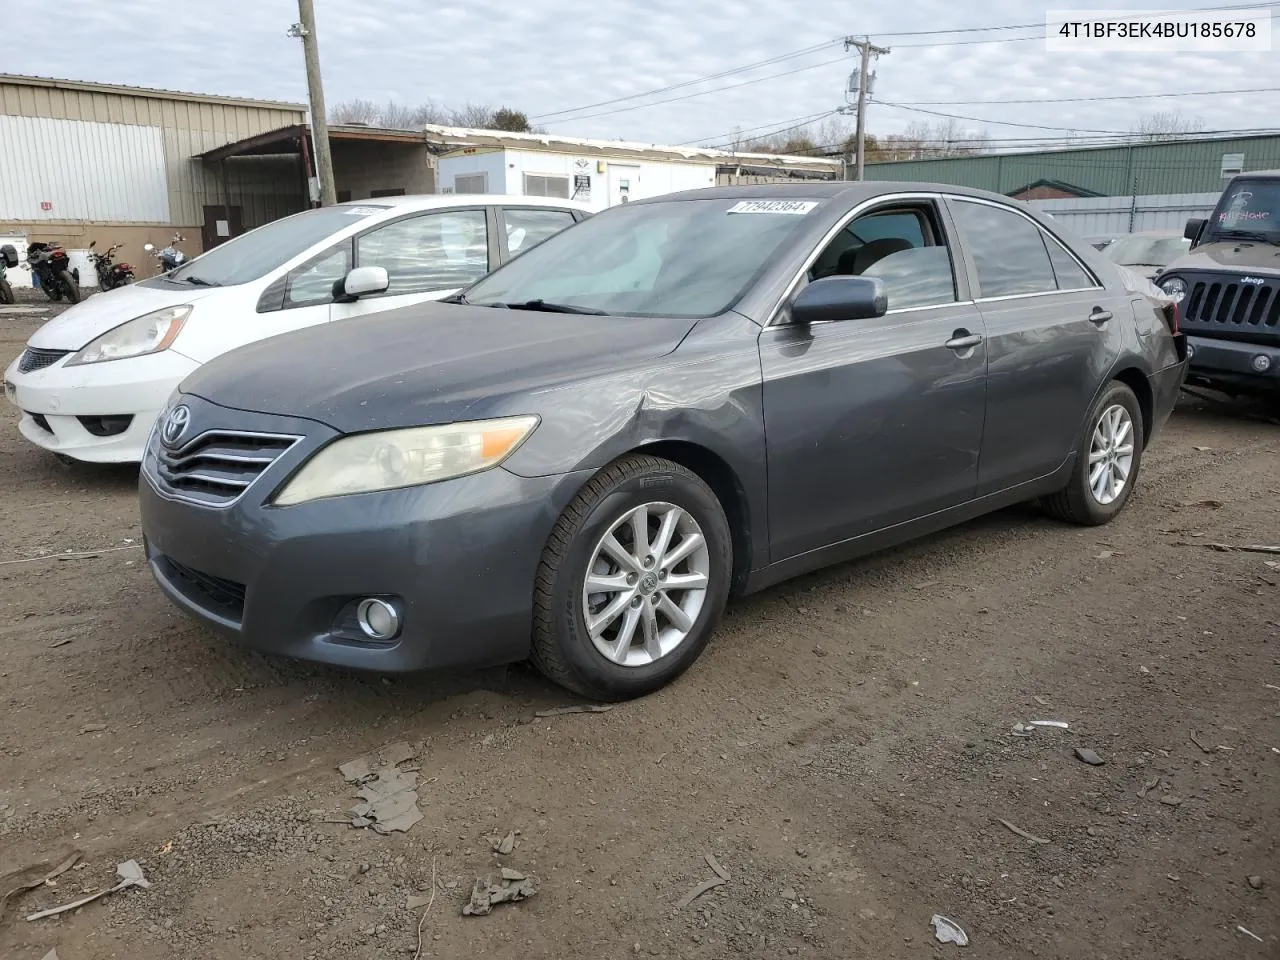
{"x":149,"y":333}
{"x":1175,"y":287}
{"x":390,"y":459}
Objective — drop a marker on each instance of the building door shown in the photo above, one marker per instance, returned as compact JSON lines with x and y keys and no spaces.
{"x":220,"y":225}
{"x":623,"y":182}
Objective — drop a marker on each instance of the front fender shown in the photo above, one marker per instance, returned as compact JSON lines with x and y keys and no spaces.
{"x":708,"y":394}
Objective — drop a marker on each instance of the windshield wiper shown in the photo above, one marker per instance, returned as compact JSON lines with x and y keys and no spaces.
{"x":1258,"y":235}
{"x":456,"y":298}
{"x":200,"y":282}
{"x":545,"y":306}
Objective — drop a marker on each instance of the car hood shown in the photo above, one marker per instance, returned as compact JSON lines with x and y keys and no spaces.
{"x":1255,"y":257}
{"x":429,"y":363}
{"x":76,"y":327}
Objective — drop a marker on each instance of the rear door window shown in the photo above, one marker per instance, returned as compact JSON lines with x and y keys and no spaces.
{"x":528,"y":227}
{"x":1006,"y":249}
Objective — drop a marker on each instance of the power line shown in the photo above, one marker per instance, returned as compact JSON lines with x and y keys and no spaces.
{"x":1041,"y":27}
{"x":563,"y":114}
{"x":732,"y":71}
{"x":1126,"y":96}
{"x":1000,"y":123}
{"x":703,"y":93}
{"x":795,"y":123}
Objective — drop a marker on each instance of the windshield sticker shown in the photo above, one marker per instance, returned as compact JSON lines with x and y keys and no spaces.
{"x":796,"y":208}
{"x":361,"y":211}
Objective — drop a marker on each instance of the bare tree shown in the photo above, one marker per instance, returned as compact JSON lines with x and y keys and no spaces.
{"x":1166,"y":125}
{"x":401,"y":116}
{"x":355,"y":111}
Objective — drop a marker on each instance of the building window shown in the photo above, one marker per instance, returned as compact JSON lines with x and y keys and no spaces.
{"x":344,"y":196}
{"x":388,"y":192}
{"x":471,"y":183}
{"x":1232,"y":165}
{"x":538,"y":185}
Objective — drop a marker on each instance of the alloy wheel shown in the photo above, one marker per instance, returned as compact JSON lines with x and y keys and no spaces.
{"x":646,"y":584}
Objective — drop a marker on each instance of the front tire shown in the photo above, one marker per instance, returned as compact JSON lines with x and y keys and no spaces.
{"x":1107,"y":461}
{"x":633,"y":580}
{"x":6,"y":292}
{"x":70,"y":285}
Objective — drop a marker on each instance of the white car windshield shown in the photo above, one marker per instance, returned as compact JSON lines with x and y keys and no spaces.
{"x":1137,"y":251}
{"x":672,"y":258}
{"x":256,"y":253}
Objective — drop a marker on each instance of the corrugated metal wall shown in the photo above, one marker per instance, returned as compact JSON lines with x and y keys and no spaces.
{"x":81,"y":170}
{"x":188,"y":127}
{"x":1185,"y":166}
{"x":1112,"y":216}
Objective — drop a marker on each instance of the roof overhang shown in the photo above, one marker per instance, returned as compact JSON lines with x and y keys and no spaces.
{"x":288,"y":140}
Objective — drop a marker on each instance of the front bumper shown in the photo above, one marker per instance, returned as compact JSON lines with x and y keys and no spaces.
{"x":458,"y":559}
{"x":54,"y":399}
{"x":1230,"y":364}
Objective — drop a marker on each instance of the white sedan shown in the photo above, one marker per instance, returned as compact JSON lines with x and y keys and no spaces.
{"x":92,"y":380}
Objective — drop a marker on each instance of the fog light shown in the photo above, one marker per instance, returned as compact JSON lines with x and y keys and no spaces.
{"x":1191,"y":351}
{"x":1262,"y":363}
{"x":378,"y":619}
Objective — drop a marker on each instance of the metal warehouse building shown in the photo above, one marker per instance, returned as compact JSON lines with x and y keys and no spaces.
{"x":87,"y":161}
{"x":1100,"y":191}
{"x":1189,"y":164}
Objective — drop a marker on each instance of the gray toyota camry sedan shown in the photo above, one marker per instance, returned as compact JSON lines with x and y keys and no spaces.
{"x":582,"y":457}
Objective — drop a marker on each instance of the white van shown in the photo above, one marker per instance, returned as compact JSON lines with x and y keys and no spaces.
{"x":92,"y":380}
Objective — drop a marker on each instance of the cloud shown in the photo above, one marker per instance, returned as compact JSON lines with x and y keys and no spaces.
{"x":547,"y":56}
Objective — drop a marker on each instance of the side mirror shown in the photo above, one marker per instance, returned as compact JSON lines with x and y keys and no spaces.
{"x":1193,"y":228}
{"x":148,"y":247}
{"x":832,"y":299}
{"x":360,"y":282}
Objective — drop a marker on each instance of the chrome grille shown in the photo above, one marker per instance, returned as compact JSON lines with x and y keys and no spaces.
{"x":34,"y":359}
{"x":216,"y":467}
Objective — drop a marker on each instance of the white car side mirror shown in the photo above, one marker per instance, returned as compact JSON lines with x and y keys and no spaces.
{"x":360,"y":282}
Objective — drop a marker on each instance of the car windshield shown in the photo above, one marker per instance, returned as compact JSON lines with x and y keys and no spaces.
{"x":1247,"y":206}
{"x":672,"y":258}
{"x":256,"y":253}
{"x":1138,"y":251}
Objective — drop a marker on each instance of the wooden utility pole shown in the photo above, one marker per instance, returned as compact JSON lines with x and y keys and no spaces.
{"x":868,"y":50}
{"x":306,"y":29}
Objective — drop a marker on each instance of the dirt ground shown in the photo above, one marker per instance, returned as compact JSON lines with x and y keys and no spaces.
{"x":844,"y":749}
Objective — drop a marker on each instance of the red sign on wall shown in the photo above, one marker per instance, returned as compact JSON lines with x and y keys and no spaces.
{"x":46,"y":205}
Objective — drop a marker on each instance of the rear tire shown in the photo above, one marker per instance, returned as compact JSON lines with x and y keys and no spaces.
{"x":666,"y":595}
{"x":1107,"y":461}
{"x":6,"y":292}
{"x":70,"y":286}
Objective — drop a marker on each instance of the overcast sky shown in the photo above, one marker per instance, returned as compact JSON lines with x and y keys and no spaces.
{"x":548,"y":56}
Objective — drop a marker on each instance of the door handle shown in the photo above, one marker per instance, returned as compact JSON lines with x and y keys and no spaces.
{"x":963,"y":340}
{"x":1099,"y":315}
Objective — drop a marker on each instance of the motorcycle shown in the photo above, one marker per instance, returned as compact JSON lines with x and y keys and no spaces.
{"x":8,"y":259}
{"x":110,"y":274}
{"x":170,"y":257}
{"x":49,"y":263}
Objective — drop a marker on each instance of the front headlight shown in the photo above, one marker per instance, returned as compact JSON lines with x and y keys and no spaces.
{"x":149,"y":333}
{"x":1175,"y":287}
{"x":391,"y":459}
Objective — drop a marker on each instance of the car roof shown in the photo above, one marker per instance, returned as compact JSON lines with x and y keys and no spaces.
{"x":433,"y":201}
{"x":850,"y":191}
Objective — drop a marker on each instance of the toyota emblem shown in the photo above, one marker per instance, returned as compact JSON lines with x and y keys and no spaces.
{"x":175,"y":425}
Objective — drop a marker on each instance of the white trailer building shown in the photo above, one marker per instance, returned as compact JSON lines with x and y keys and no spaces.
{"x":601,"y":173}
